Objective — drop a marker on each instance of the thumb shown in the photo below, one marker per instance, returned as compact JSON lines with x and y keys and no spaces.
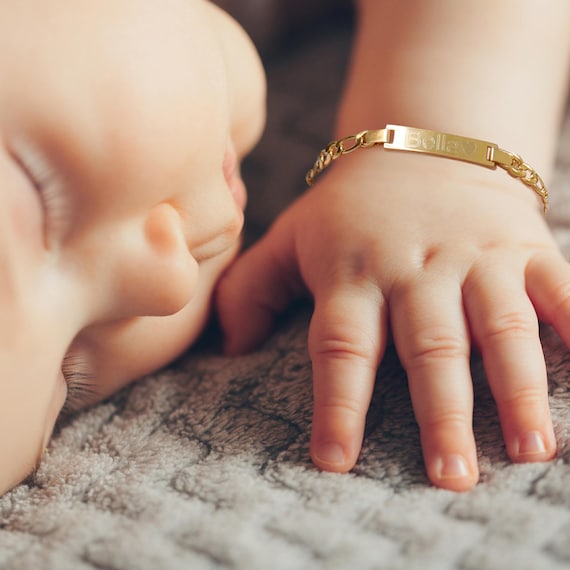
{"x":257,"y":288}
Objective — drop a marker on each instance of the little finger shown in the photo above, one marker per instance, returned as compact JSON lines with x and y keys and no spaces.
{"x":505,"y":326}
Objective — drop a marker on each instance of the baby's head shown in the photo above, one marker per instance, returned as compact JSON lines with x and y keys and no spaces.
{"x":122,"y":123}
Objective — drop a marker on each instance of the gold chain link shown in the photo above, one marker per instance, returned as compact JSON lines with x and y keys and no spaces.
{"x":411,"y":139}
{"x":333,"y":151}
{"x":519,"y":169}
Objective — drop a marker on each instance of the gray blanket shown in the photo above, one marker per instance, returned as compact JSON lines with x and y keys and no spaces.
{"x":205,"y":465}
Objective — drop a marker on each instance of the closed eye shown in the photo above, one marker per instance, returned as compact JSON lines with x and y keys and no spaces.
{"x":47,"y":184}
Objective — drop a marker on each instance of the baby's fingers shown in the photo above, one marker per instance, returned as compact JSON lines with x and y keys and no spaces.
{"x":548,"y":286}
{"x":432,"y":340}
{"x":347,"y":339}
{"x":505,"y":326}
{"x":256,"y":289}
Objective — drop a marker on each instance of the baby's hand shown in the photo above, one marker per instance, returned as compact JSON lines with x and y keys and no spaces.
{"x":448,"y":255}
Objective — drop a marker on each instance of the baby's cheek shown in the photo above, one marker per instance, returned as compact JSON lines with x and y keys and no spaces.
{"x":55,"y":407}
{"x":26,"y":425}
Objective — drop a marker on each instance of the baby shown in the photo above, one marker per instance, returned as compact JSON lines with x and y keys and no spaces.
{"x":122,"y":125}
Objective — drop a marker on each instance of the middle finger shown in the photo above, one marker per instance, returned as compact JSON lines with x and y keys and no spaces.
{"x":432,"y":340}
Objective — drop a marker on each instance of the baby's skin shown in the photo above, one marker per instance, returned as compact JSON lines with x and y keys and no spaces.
{"x":122,"y":126}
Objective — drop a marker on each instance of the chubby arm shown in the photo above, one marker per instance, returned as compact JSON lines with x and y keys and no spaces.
{"x":444,"y":254}
{"x":491,"y":70}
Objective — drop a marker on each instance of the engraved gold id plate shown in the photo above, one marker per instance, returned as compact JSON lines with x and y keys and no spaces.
{"x":440,"y":144}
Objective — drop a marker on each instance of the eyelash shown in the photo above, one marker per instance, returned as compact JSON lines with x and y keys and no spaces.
{"x":50,"y":197}
{"x":80,"y":385}
{"x":45,"y":182}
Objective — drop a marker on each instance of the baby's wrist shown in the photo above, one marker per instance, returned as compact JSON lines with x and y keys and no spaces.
{"x":438,"y":144}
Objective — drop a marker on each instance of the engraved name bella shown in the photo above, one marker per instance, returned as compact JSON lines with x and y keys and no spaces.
{"x":440,"y":143}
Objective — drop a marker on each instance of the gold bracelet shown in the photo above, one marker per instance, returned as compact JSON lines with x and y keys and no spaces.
{"x":410,"y":139}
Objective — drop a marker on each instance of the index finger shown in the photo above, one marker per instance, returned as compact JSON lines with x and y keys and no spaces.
{"x":347,"y":340}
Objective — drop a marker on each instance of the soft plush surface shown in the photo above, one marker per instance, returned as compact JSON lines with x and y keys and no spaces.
{"x":205,"y":465}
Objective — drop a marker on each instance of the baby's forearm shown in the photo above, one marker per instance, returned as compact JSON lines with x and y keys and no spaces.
{"x":491,"y":70}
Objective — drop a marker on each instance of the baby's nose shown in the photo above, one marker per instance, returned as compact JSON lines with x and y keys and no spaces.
{"x":154,"y":272}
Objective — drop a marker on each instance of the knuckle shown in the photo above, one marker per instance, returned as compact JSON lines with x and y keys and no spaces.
{"x":511,"y":325}
{"x":349,"y":345}
{"x":560,"y":298}
{"x":435,"y":345}
{"x":523,"y":397}
{"x":340,"y":405}
{"x":447,"y":421}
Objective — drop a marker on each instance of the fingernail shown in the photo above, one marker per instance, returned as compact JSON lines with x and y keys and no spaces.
{"x":452,"y":467}
{"x":531,"y":443}
{"x":330,"y":454}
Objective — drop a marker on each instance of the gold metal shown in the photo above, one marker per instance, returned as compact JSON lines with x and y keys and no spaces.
{"x":411,"y":139}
